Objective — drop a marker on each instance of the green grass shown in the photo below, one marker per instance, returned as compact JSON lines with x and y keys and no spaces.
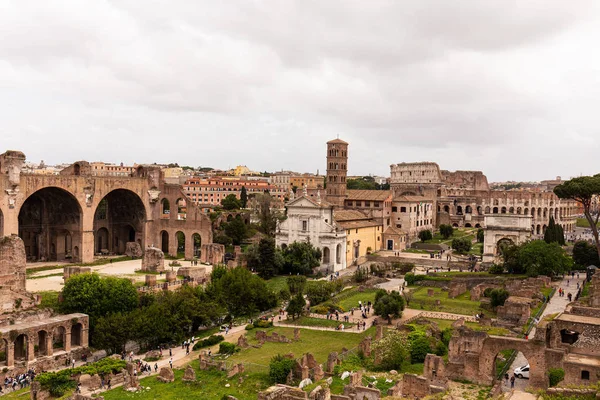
{"x":459,"y":305}
{"x":583,"y":223}
{"x":349,"y":298}
{"x":458,"y":232}
{"x":322,"y":322}
{"x":445,"y":323}
{"x":45,"y":276}
{"x":49,"y":299}
{"x":22,"y":394}
{"x":34,"y":270}
{"x":416,"y":251}
{"x":477,"y":249}
{"x":277,"y":283}
{"x":101,"y":261}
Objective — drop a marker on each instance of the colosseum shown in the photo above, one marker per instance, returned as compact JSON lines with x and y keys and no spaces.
{"x":464,"y":198}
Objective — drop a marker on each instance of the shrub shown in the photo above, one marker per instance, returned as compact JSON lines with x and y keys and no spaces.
{"x":446,"y":230}
{"x":360,"y":275}
{"x":209,"y":341}
{"x":498,"y":297}
{"x":279,"y":368}
{"x":249,"y":327}
{"x":263,"y":323}
{"x":410,"y":278}
{"x":441,"y":349}
{"x":403,"y":268}
{"x":321,"y":309}
{"x":425,"y":235}
{"x":284,"y":294}
{"x":555,"y":375}
{"x":461,"y":245}
{"x":487,"y":292}
{"x":419,"y":347}
{"x":446,"y":336}
{"x":496,"y":269}
{"x":480,"y":235}
{"x":227,"y":348}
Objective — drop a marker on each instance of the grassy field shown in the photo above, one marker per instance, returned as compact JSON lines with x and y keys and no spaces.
{"x":459,"y":305}
{"x":444,"y":323}
{"x":583,"y":223}
{"x":460,"y":232}
{"x":277,"y":283}
{"x":212,"y":384}
{"x":349,"y":298}
{"x":326,"y":323}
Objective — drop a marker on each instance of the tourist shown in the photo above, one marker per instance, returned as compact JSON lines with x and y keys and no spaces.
{"x":73,"y":363}
{"x":171,"y":362}
{"x":569,"y":296}
{"x":512,"y":382}
{"x":506,"y":378}
{"x":108,"y":384}
{"x":155,"y":367}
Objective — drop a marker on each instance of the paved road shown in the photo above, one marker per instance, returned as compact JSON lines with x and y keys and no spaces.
{"x":557,"y":304}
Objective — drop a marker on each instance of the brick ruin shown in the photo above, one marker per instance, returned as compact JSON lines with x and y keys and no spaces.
{"x":515,"y":311}
{"x":31,"y":337}
{"x":153,"y":260}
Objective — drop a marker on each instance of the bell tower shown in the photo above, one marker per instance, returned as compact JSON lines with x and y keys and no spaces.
{"x":337,"y":169}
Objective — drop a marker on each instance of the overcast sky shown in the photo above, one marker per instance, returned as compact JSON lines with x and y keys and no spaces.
{"x":510,"y":88}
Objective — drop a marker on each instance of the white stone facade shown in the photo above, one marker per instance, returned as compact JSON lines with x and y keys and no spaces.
{"x":309,"y":220}
{"x":514,"y":228}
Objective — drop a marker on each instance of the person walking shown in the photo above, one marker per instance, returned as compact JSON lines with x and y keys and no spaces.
{"x":512,"y":382}
{"x":171,"y":362}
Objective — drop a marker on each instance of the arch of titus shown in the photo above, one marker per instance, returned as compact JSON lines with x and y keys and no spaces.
{"x":512,"y":228}
{"x":76,"y":214}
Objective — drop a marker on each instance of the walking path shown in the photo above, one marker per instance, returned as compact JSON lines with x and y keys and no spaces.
{"x":556,"y":305}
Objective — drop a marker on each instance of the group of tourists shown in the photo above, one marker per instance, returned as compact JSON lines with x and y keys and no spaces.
{"x":18,"y":382}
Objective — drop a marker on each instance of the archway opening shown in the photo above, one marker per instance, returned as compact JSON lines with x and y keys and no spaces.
{"x":468,"y":210}
{"x":102,"y":241}
{"x":511,"y":362}
{"x":477,"y":225}
{"x":447,"y":209}
{"x":502,"y":245}
{"x":3,"y":351}
{"x":21,"y":347}
{"x":122,"y":214}
{"x":46,"y":218}
{"x":181,"y":209}
{"x":197,"y":240}
{"x":468,"y":225}
{"x":326,"y":255}
{"x":76,"y":334}
{"x":503,"y":210}
{"x":495,"y":211}
{"x":538,"y":229}
{"x":165,"y":209}
{"x":59,"y":337}
{"x":455,"y":225}
{"x":459,"y":210}
{"x":164,"y":242}
{"x":180,"y":237}
{"x":41,"y":346}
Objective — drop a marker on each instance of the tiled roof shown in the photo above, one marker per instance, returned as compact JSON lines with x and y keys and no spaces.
{"x":349,"y":215}
{"x":376,"y":195}
{"x":413,"y":199}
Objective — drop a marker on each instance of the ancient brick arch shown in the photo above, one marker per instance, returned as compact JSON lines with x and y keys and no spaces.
{"x":535,"y":352}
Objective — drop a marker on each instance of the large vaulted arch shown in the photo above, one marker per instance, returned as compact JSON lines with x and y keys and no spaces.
{"x":50,"y":224}
{"x":121,"y":216}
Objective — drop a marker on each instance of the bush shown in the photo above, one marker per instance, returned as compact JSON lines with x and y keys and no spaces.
{"x":425,"y":235}
{"x":419,"y":347}
{"x":555,"y":375}
{"x":360,"y":275}
{"x":249,"y":327}
{"x":263,"y":323}
{"x":284,"y":294}
{"x":279,"y":368}
{"x":321,"y":309}
{"x":487,"y":292}
{"x":441,"y":349}
{"x":480,"y":235}
{"x":403,"y":268}
{"x":498,"y":297}
{"x":209,"y":341}
{"x":446,"y":230}
{"x":410,"y":278}
{"x":227,"y":348}
{"x":496,"y":269}
{"x":446,"y":336}
{"x":461,"y":245}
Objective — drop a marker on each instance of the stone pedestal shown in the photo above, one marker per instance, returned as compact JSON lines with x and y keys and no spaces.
{"x":153,"y":260}
{"x":171,"y":276}
{"x":150,"y":280}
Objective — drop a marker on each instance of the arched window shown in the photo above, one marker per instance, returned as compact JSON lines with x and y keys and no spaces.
{"x":165,"y":208}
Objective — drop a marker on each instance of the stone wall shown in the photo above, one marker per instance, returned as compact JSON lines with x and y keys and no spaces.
{"x":12,"y":263}
{"x":70,"y":271}
{"x":212,"y":253}
{"x":515,"y":311}
{"x":456,"y":289}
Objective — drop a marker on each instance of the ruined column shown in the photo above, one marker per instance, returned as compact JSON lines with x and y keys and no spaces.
{"x":10,"y":354}
{"x":49,"y":345}
{"x":189,"y":246}
{"x":30,"y":349}
{"x":87,"y":246}
{"x":68,"y":340}
{"x":85,"y":334}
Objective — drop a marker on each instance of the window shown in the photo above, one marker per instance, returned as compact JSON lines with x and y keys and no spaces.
{"x":394,"y":209}
{"x":403,"y":209}
{"x":359,"y":204}
{"x":304,"y":225}
{"x":357,"y":231}
{"x":367,"y":204}
{"x":376,"y":204}
{"x":585,"y":375}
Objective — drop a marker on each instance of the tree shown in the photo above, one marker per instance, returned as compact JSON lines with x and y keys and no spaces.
{"x":425,"y":235}
{"x":554,"y":233}
{"x":388,"y":306}
{"x":585,"y":190}
{"x":393,"y":350}
{"x":461,"y":245}
{"x":300,"y":258}
{"x":296,"y":284}
{"x":231,"y":202}
{"x":268,"y":264}
{"x":584,"y":254}
{"x":480,"y":235}
{"x":267,"y":217}
{"x":244,"y":197}
{"x":420,"y":346}
{"x":90,"y":294}
{"x":296,"y":306}
{"x":279,"y":368}
{"x":112,"y":332}
{"x":498,"y":297}
{"x":540,"y":258}
{"x":237,"y":230}
{"x":446,"y":231}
